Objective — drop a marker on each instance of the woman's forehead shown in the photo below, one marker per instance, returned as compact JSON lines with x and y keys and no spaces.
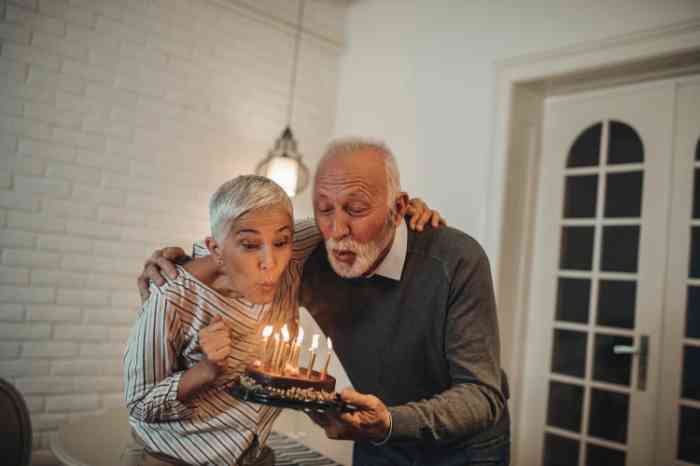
{"x":265,"y":219}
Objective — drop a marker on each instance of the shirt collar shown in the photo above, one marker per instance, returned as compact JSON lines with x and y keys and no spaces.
{"x":392,"y":265}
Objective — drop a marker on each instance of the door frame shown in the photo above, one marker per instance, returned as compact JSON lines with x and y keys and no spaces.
{"x":522,"y":84}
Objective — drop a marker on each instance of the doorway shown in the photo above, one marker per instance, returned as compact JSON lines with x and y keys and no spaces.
{"x":610,"y":340}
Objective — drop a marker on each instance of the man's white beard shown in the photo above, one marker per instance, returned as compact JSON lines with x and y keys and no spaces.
{"x":366,"y":254}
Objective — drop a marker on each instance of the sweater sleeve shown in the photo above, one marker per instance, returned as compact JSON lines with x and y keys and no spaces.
{"x":475,"y":400}
{"x":151,"y":375}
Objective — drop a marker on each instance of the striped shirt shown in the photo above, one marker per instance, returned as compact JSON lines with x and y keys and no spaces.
{"x":213,"y":427}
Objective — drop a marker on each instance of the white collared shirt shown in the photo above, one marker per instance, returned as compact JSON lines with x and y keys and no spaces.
{"x":392,"y":265}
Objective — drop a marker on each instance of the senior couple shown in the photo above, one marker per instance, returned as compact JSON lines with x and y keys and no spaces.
{"x":410,"y":310}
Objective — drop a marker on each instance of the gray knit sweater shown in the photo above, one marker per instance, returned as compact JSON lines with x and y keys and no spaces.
{"x":426,"y":345}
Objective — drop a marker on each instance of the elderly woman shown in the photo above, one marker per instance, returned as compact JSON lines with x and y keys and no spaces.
{"x":195,"y":333}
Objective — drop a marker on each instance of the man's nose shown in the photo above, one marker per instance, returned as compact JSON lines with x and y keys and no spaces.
{"x":341,"y":227}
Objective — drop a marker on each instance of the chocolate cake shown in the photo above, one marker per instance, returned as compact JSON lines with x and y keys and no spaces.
{"x":268,"y":379}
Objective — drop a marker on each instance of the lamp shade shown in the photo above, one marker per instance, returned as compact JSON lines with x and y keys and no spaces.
{"x":283,"y":165}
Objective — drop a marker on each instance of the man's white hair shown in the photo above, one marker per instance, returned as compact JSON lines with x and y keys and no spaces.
{"x":239,"y":196}
{"x":350,"y":145}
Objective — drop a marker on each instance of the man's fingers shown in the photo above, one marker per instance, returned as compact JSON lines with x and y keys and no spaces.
{"x":424,"y":218}
{"x":166,"y":266}
{"x":152,"y":273}
{"x":172,"y":253}
{"x":356,"y":398}
{"x":142,"y":284}
{"x":437,"y":219}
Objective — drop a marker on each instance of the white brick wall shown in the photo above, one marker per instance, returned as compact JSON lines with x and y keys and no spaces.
{"x":117,"y":120}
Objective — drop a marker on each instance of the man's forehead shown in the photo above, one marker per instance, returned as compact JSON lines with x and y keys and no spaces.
{"x":352,"y":172}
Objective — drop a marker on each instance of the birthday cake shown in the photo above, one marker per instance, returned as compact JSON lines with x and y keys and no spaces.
{"x":277,"y":372}
{"x":292,"y":386}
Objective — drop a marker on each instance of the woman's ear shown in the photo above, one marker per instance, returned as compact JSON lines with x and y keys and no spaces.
{"x":214,"y":249}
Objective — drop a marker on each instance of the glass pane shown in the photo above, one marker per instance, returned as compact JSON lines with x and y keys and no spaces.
{"x":608,"y":366}
{"x":691,"y":372}
{"x":608,"y":416}
{"x":580,"y":197}
{"x":623,"y":195}
{"x":696,"y":194}
{"x":599,"y":456}
{"x":573,"y":295}
{"x":625,"y":145}
{"x":692,"y":313}
{"x":616,"y":303}
{"x":695,"y":252}
{"x":689,"y":435}
{"x":560,"y":451}
{"x":576,"y":248}
{"x":586,"y":149}
{"x":620,"y":248}
{"x":564,"y":406}
{"x":569,"y":352}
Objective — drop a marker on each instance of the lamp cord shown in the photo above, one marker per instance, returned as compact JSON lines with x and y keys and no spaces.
{"x":293,"y":80}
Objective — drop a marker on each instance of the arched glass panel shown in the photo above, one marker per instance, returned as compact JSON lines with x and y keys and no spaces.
{"x":625,"y":145}
{"x":585,"y":152}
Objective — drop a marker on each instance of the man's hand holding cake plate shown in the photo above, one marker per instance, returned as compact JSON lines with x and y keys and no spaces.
{"x":369,"y":421}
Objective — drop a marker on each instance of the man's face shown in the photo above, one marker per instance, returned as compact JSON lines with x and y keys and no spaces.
{"x":352,"y":212}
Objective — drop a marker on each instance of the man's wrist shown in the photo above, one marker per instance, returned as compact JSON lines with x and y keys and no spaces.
{"x":388,"y":434}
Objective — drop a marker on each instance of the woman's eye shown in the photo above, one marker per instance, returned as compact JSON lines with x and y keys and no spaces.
{"x":282,"y":243}
{"x":250,"y":246}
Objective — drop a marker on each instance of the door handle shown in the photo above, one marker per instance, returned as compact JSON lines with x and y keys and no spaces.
{"x":643,"y":352}
{"x":625,"y":349}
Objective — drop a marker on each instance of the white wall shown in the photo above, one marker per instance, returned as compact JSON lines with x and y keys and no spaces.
{"x":117,"y":120}
{"x":420,"y":75}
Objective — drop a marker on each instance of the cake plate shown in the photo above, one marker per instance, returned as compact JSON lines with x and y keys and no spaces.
{"x":261,"y":396}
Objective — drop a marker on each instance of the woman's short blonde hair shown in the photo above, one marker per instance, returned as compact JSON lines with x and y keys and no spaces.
{"x":240,"y":195}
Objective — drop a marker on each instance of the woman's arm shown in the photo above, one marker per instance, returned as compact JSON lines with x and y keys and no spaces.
{"x":154,"y":389}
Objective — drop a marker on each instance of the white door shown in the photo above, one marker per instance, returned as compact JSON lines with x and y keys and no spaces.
{"x":679,"y":406}
{"x":595,"y":325}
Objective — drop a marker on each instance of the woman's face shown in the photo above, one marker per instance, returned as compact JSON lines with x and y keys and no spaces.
{"x":257,"y":251}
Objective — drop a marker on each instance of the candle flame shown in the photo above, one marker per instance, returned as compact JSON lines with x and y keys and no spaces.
{"x":267,"y":331}
{"x":330,"y":344}
{"x":285,"y":333}
{"x":314,"y":343}
{"x":300,"y":336}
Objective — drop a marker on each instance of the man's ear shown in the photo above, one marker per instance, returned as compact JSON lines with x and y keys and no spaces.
{"x":400,"y":206}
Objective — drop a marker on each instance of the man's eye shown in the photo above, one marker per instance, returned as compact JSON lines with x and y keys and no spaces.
{"x":250,"y":246}
{"x":356,"y":210}
{"x":325,"y":210}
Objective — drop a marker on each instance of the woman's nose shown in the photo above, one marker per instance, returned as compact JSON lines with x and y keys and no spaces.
{"x":267,"y":259}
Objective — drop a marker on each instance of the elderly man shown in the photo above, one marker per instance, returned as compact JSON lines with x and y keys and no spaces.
{"x":412,"y":317}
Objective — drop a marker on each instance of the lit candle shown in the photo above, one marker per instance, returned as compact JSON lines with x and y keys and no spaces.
{"x":284,"y":354}
{"x":314,"y":347}
{"x":328,"y":359}
{"x":267,"y":331}
{"x":275,"y":352}
{"x":297,"y":348}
